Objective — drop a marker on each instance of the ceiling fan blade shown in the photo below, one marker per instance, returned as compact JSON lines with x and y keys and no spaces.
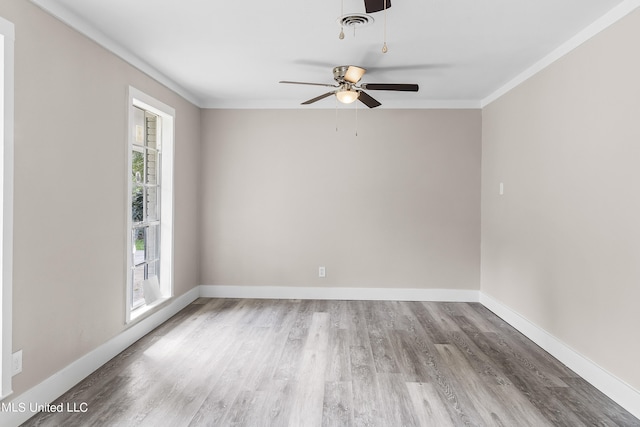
{"x":318,"y":98}
{"x":305,"y":83}
{"x":391,"y":86}
{"x":354,"y":74}
{"x":367,"y":100}
{"x":372,"y":6}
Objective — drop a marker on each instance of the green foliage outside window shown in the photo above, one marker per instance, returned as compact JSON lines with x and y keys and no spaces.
{"x":137,"y":196}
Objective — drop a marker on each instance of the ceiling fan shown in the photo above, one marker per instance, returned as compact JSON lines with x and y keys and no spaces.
{"x":347,"y":89}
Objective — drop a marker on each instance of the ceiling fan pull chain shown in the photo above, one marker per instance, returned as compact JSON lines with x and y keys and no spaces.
{"x":336,"y":113}
{"x":356,"y":119}
{"x":341,"y":35}
{"x":385,"y":49}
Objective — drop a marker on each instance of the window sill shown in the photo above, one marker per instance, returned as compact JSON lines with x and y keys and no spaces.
{"x":146,"y":309}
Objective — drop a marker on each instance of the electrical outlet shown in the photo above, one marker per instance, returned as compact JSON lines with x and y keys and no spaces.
{"x":322,"y":272}
{"x":16,"y":363}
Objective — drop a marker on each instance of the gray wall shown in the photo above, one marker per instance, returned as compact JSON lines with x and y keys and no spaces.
{"x":396,"y":206}
{"x":562,"y":246}
{"x":70,"y":198}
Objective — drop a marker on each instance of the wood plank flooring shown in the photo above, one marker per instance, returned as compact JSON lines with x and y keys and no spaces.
{"x":240,"y":362}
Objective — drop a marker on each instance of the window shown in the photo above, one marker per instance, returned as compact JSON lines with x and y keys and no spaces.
{"x":145,"y":204}
{"x":150,"y":207}
{"x":6,"y":202}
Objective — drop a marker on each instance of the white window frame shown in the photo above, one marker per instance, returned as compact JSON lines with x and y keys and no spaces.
{"x":138,"y":99}
{"x":7,"y":38}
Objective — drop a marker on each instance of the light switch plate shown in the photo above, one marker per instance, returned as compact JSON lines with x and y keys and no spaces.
{"x":16,"y":363}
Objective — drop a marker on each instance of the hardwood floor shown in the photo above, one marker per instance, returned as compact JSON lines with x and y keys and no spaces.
{"x":225,"y":362}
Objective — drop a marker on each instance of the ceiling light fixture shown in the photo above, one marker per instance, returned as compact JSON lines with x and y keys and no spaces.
{"x":354,"y":74}
{"x":347,"y":95}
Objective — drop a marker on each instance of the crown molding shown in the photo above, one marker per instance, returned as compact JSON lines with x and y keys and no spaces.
{"x":79,"y":24}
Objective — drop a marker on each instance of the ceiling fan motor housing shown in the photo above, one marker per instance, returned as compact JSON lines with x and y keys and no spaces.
{"x":339,"y":72}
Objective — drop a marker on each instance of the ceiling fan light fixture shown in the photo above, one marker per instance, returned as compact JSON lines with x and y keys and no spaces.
{"x":347,"y":96}
{"x":354,"y":74}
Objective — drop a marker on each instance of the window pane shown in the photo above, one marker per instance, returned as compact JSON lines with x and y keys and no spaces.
{"x":152,"y":270}
{"x":137,"y":297}
{"x":139,"y":239}
{"x":152,"y":126}
{"x":137,"y":204}
{"x":152,"y":242}
{"x":152,"y":167}
{"x":152,"y":204}
{"x":137,"y":167}
{"x":151,"y":137}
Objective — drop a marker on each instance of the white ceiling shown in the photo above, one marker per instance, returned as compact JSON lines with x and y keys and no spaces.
{"x":231,"y":54}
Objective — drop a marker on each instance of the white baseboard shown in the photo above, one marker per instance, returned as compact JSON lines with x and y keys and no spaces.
{"x":17,"y":410}
{"x":619,"y":391}
{"x":339,"y":293}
